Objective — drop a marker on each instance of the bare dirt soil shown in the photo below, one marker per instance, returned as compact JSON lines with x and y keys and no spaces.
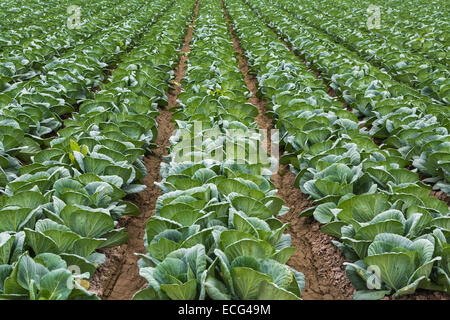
{"x":118,"y":278}
{"x":320,"y":261}
{"x":441,"y":196}
{"x":316,"y":257}
{"x":332,"y":93}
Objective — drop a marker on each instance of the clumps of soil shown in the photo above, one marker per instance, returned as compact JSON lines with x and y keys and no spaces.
{"x":316,"y":257}
{"x":180,"y":70}
{"x":118,"y":278}
{"x":251,"y":82}
{"x":329,"y":260}
{"x":109,"y":69}
{"x":422,"y":295}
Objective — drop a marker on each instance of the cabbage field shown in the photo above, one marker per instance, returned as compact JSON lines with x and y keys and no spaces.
{"x":224,"y":150}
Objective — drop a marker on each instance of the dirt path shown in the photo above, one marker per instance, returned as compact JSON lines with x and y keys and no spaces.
{"x":118,"y":278}
{"x":316,"y":257}
{"x":332,"y":93}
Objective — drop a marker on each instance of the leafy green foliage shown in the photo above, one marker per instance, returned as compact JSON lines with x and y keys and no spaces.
{"x":214,"y":234}
{"x":362,"y":190}
{"x":68,"y":200}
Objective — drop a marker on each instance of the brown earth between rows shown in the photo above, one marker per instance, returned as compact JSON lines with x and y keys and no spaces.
{"x":118,"y":278}
{"x":319,"y":260}
{"x":331,"y":267}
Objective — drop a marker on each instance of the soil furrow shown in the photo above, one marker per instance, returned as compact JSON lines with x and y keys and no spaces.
{"x":332,"y":93}
{"x":316,"y":257}
{"x":118,"y":278}
{"x":326,"y":261}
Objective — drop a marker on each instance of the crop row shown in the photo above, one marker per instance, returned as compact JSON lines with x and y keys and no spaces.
{"x":381,"y":213}
{"x":214,"y":234}
{"x":25,"y":59}
{"x":17,"y":16}
{"x":396,"y":115}
{"x":65,"y":205}
{"x":428,"y":76}
{"x":422,"y":34}
{"x":32,"y":111}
